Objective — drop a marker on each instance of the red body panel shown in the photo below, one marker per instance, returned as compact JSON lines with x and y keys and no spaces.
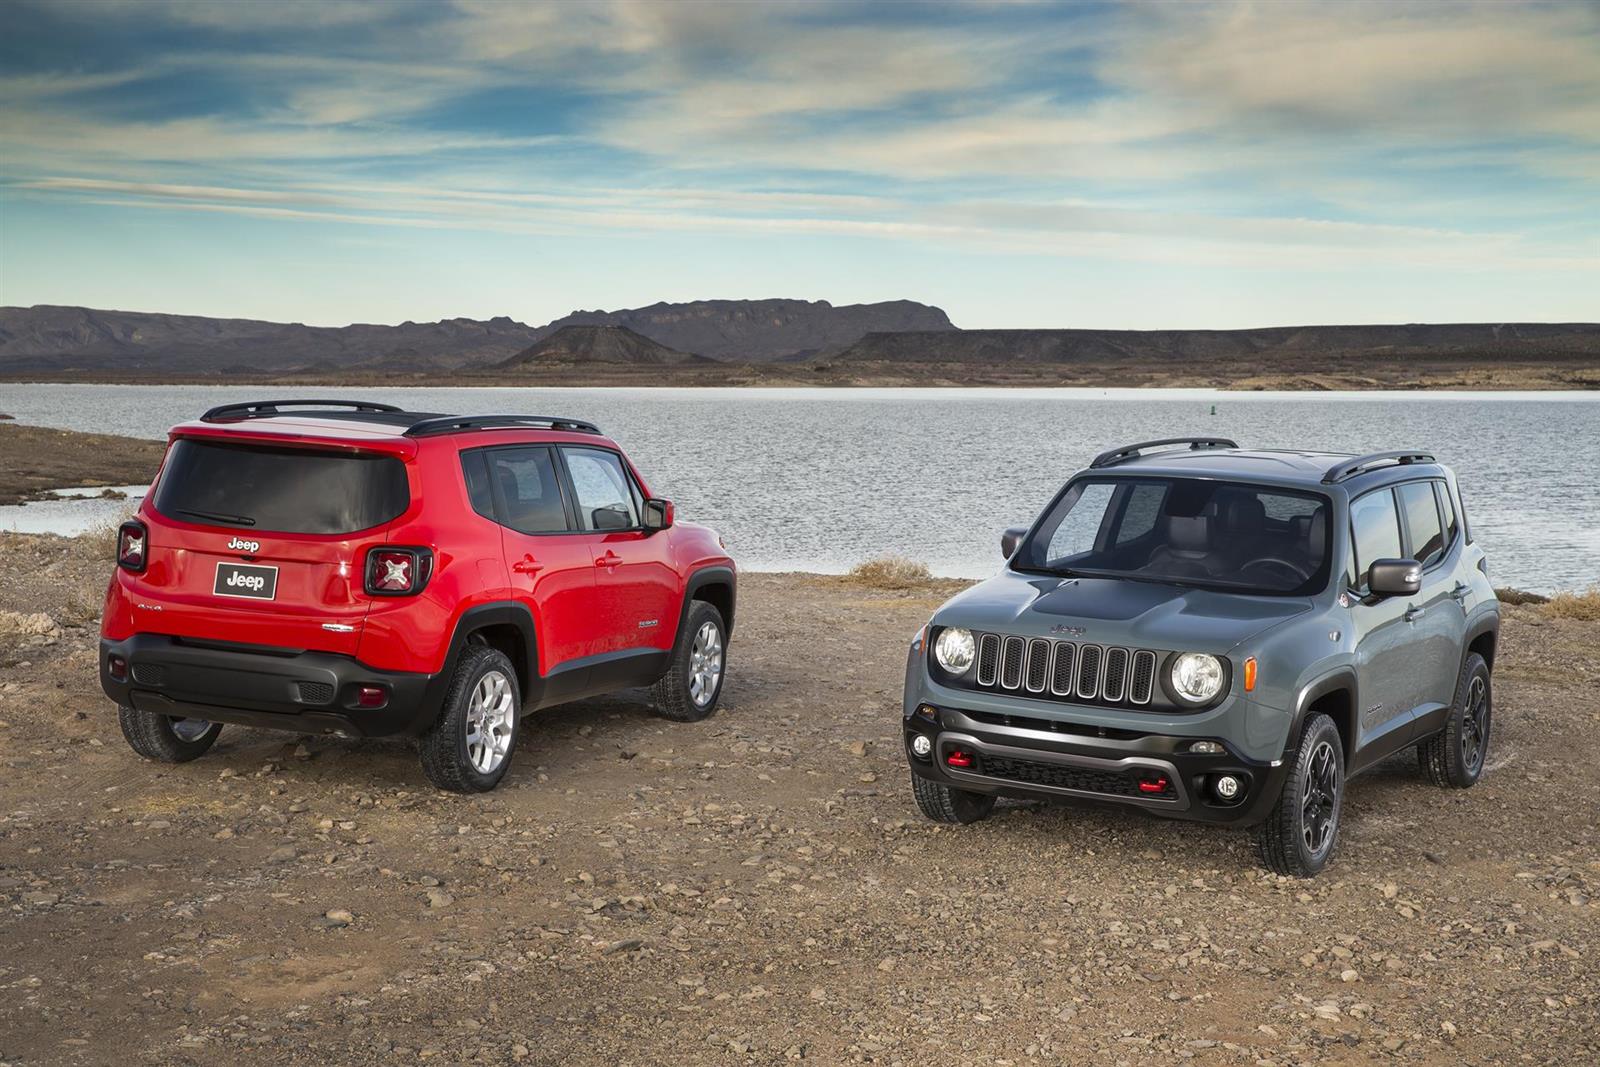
{"x":589,"y":593}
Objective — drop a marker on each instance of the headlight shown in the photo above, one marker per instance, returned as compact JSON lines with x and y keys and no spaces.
{"x":1196,"y":677}
{"x":955,"y":649}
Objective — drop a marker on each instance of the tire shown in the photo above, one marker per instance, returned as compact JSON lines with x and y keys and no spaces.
{"x":1455,"y":756}
{"x":958,"y":807}
{"x":1301,"y":834}
{"x":164,"y":739}
{"x":469,"y":746}
{"x":690,"y":689}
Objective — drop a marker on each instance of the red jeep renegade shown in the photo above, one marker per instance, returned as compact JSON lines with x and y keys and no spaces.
{"x":327,"y":566}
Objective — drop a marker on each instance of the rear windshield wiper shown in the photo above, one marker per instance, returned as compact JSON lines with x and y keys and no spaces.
{"x":217,"y":516}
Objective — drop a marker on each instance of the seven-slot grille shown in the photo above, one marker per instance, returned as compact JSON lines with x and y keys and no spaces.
{"x":1064,"y":670}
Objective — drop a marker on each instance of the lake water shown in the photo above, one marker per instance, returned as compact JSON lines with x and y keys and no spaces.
{"x":821,"y":479}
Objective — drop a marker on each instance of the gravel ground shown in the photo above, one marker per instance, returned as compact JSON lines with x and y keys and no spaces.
{"x":758,"y":888}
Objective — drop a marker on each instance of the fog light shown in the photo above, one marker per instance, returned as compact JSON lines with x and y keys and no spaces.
{"x":921,"y":746}
{"x":118,"y":668}
{"x":1226,"y":787}
{"x":372,"y":696}
{"x":1205,"y":748}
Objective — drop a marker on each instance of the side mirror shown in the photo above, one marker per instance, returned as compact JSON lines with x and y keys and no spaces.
{"x":1394,"y":577}
{"x":657,"y":514}
{"x":1011,"y":539}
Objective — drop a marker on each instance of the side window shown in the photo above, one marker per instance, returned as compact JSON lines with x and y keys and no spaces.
{"x":1139,"y":514}
{"x":1451,"y":525}
{"x":1079,"y":527}
{"x":475,"y":468}
{"x":530,"y":494}
{"x":1421,"y":513}
{"x":604,"y":491}
{"x":1376,"y":531}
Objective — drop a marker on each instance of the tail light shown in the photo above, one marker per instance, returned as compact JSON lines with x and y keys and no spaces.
{"x":395,"y":571}
{"x":133,"y":546}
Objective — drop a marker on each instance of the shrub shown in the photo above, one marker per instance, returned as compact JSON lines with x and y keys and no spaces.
{"x":1507,"y":595}
{"x":1584,"y":606}
{"x":891,"y":572}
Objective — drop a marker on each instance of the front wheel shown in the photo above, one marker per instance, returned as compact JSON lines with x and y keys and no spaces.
{"x":1454,"y":757}
{"x":468,"y":748}
{"x":166,"y":739}
{"x":941,"y":803}
{"x":1300,"y":835}
{"x":689,"y":691}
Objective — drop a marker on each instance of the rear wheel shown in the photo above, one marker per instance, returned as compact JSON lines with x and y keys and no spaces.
{"x":689,"y":691}
{"x":166,"y":739}
{"x":941,"y":803}
{"x":1454,"y":757}
{"x":1300,"y":835}
{"x":468,"y":749}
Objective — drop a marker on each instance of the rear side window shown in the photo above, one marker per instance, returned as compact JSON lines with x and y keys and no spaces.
{"x":530,"y":494}
{"x":280,"y":490}
{"x":1421,"y":513}
{"x":1451,"y":525}
{"x":1376,"y":531}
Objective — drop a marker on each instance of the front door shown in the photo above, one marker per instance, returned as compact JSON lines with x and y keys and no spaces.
{"x":636,"y":583}
{"x":550,"y":566}
{"x":1387,"y":679}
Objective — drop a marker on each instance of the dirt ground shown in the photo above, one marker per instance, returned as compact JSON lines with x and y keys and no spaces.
{"x":759,"y":888}
{"x":35,"y":458}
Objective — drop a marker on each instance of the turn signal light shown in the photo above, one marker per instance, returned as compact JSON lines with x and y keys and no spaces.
{"x":1250,"y":675}
{"x":393,"y":571}
{"x":133,"y":546}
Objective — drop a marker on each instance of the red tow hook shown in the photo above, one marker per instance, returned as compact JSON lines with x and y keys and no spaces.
{"x":959,"y":758}
{"x":1158,"y":784}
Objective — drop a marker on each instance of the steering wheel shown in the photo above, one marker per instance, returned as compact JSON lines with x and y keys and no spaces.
{"x":1298,"y":573}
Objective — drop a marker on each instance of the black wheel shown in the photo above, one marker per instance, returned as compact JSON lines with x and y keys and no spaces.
{"x":1454,"y":757}
{"x":469,"y":747}
{"x":1301,"y":833}
{"x":941,"y":803}
{"x":165,"y":739}
{"x":688,"y":692}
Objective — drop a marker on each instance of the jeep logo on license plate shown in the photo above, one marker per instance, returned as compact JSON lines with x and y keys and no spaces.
{"x":252,"y":583}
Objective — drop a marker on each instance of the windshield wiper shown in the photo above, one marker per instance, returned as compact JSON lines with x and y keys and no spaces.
{"x":217,"y":516}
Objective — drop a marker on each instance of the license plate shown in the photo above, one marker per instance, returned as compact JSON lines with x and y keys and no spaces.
{"x":242,"y":580}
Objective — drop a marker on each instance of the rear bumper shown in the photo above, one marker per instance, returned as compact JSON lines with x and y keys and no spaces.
{"x":271,"y":688}
{"x":1017,"y":761}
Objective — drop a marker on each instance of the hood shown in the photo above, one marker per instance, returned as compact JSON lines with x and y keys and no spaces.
{"x":1109,"y":611}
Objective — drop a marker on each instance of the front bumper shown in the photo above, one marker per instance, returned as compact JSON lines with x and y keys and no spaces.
{"x":270,"y":688}
{"x":1071,"y":762}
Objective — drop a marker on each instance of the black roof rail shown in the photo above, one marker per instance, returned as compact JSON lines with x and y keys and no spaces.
{"x":1349,"y":468}
{"x":263,"y":409}
{"x":1117,"y":455}
{"x":463,"y":423}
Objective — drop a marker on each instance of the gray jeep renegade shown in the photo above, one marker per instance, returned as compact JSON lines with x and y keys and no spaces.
{"x":1218,"y":634}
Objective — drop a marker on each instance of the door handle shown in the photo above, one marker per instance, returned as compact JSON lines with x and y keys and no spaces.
{"x":1459,"y":593}
{"x":1413,"y":613}
{"x":527,"y":565}
{"x":610,"y":559}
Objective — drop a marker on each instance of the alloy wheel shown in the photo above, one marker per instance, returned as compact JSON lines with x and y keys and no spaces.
{"x":1319,"y":799}
{"x":1475,"y":726}
{"x":491,"y":718}
{"x":705,"y":664}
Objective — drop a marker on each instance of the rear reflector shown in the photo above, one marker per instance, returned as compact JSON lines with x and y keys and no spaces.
{"x":958,"y":758}
{"x":372,"y":696}
{"x":118,"y":668}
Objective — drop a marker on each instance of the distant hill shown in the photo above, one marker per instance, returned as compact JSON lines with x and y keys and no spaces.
{"x":598,"y":344}
{"x":48,"y":337}
{"x":761,"y":331}
{"x":1303,"y":345}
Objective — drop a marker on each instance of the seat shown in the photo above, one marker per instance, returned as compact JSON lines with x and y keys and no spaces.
{"x":1244,"y":528}
{"x":1186,"y":552}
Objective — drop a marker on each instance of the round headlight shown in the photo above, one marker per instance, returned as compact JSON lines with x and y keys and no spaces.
{"x":955,"y":649}
{"x":1196,"y":677}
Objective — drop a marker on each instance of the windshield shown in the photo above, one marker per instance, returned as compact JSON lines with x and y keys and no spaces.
{"x":280,"y":490}
{"x":1186,"y":531}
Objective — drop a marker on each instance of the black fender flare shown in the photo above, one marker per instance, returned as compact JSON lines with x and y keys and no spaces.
{"x":712,"y":574}
{"x":1488,"y":623}
{"x":496,"y":613}
{"x":1339,"y":678}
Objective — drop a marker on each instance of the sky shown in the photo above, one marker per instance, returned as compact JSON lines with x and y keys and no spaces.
{"x":1133,"y":165}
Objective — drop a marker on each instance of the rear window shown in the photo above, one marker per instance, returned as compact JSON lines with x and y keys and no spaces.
{"x":280,"y":490}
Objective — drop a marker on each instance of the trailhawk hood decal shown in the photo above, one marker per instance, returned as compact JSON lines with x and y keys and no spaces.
{"x":1106,"y":611}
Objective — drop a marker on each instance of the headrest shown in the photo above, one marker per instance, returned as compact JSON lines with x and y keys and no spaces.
{"x":1189,"y":533}
{"x":1244,"y":514}
{"x":1317,"y":535}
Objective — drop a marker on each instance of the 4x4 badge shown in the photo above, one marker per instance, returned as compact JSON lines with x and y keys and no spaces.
{"x":1075,"y":631}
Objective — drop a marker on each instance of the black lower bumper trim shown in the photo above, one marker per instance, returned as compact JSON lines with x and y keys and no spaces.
{"x":275,"y":689}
